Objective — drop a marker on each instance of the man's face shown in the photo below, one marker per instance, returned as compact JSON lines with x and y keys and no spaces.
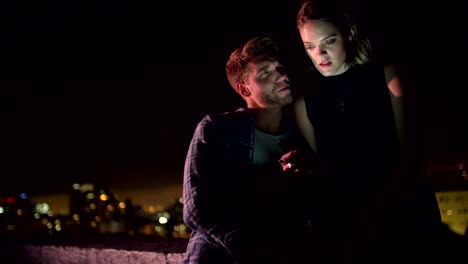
{"x":268,"y":85}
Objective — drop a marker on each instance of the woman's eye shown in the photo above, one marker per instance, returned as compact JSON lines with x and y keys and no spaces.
{"x":330,"y":41}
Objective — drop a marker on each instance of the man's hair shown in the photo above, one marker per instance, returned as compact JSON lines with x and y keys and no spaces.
{"x":255,"y":49}
{"x":358,"y":48}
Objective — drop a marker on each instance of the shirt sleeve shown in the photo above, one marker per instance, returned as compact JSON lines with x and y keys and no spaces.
{"x":202,"y":190}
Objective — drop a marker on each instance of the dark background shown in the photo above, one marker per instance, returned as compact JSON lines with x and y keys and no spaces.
{"x":112,"y":90}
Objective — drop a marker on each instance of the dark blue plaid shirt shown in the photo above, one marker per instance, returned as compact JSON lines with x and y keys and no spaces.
{"x":226,"y":199}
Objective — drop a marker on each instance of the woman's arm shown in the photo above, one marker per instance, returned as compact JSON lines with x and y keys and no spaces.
{"x":396,"y":95}
{"x":303,"y":123}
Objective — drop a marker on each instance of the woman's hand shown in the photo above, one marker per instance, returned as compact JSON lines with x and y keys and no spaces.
{"x":294,"y":161}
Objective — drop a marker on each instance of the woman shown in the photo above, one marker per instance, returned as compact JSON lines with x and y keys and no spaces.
{"x":350,"y":114}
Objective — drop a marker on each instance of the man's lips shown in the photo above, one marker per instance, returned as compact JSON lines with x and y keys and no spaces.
{"x":286,"y":88}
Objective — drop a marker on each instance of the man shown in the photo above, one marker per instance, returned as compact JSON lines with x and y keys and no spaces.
{"x":242,"y":205}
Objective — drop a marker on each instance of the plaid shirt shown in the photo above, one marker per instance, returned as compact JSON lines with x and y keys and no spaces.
{"x":217,"y":199}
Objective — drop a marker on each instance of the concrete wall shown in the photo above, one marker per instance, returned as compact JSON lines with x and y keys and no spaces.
{"x":65,"y":254}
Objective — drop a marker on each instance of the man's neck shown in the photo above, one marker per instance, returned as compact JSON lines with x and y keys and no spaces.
{"x":269,"y":120}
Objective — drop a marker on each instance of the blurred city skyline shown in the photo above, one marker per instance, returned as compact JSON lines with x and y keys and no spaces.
{"x":159,"y":198}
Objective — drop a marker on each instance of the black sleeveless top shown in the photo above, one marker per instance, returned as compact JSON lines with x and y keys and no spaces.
{"x":355,"y":132}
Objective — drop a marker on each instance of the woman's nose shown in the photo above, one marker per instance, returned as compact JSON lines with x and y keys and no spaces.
{"x":322,"y":51}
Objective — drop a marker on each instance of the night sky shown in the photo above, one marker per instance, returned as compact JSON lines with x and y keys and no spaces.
{"x":112,"y":90}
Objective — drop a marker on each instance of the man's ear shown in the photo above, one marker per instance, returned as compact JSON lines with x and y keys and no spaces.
{"x":352,"y":33}
{"x":242,"y":89}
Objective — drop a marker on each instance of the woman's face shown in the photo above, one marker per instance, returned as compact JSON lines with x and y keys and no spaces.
{"x":325,"y":46}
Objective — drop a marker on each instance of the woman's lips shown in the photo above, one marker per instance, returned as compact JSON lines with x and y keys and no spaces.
{"x":325,"y":64}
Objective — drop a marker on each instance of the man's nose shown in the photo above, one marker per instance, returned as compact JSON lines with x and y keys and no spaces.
{"x":281,"y":74}
{"x":281,"y":70}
